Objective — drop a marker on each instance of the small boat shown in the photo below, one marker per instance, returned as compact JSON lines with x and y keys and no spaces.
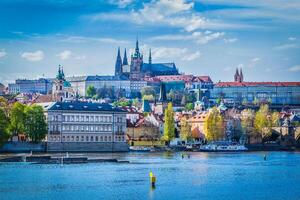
{"x":223,"y":147}
{"x":140,"y":148}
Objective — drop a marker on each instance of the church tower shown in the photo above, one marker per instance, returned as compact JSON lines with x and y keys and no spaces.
{"x":136,"y":63}
{"x":118,"y":65}
{"x":236,"y":75}
{"x":58,"y":87}
{"x":125,"y":61}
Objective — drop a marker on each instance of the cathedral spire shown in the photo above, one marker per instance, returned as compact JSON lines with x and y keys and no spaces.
{"x":125,"y":61}
{"x":236,"y":75}
{"x":150,"y":57}
{"x":118,"y":65}
{"x":241,"y":75}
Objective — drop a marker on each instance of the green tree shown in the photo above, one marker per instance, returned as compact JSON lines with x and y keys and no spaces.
{"x":213,"y":125}
{"x":148,"y":97}
{"x":4,"y":134}
{"x":91,"y":91}
{"x":17,"y":117}
{"x":35,"y":123}
{"x":262,"y":121}
{"x":4,"y":105}
{"x":185,"y":129}
{"x":169,"y":126}
{"x":189,"y":106}
{"x":148,"y":90}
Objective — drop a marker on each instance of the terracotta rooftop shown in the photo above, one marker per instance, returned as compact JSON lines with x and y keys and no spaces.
{"x":253,"y":84}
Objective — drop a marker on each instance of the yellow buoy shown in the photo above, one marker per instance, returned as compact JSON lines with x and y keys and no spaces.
{"x":152,"y":179}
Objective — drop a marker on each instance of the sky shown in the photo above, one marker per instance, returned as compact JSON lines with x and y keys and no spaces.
{"x":202,"y":37}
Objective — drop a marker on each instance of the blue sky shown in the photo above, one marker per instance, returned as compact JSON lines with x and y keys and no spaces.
{"x":204,"y":37}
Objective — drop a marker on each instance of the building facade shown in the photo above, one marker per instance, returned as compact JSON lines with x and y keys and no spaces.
{"x":42,"y":86}
{"x":280,"y":93}
{"x":83,"y":126}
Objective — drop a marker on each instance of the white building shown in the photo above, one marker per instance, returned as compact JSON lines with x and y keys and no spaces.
{"x":82,"y":126}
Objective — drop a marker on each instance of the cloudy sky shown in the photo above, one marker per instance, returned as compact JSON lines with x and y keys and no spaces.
{"x":204,"y":37}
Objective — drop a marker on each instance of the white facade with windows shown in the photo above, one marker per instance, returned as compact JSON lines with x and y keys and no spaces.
{"x":82,"y":122}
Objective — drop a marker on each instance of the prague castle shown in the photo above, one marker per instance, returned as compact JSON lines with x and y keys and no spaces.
{"x":138,"y":69}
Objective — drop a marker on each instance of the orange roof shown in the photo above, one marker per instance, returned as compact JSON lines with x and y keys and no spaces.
{"x":253,"y":84}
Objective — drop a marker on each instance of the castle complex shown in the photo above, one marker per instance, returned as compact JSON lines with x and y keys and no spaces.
{"x":138,"y":69}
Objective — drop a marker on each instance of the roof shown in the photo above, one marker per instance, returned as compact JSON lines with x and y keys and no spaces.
{"x":84,"y":106}
{"x":185,"y":78}
{"x":254,"y":84}
{"x":106,"y":78}
{"x":160,"y":67}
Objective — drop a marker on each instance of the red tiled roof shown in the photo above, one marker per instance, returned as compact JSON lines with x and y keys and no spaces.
{"x":253,"y":84}
{"x":185,"y":78}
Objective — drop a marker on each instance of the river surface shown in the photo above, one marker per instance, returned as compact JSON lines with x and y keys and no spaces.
{"x":204,"y":176}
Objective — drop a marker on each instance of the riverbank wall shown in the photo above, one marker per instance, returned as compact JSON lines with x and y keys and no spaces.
{"x":87,"y":147}
{"x":18,"y":147}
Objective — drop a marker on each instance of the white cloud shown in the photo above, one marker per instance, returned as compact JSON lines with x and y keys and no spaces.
{"x":295,"y":68}
{"x":33,"y":56}
{"x":81,"y":39}
{"x":230,"y":40}
{"x":175,"y":13}
{"x":121,"y":3}
{"x":2,"y":53}
{"x":256,"y":59}
{"x":168,"y":52}
{"x":193,"y":56}
{"x":65,"y":55}
{"x":286,"y":46}
{"x":198,"y":37}
{"x":292,"y":38}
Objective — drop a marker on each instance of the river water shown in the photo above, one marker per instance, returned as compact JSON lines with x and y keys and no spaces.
{"x":203,"y":176}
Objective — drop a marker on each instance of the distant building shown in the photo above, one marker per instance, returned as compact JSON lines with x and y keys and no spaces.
{"x":42,"y":86}
{"x":281,"y":93}
{"x":82,"y":126}
{"x":81,"y":83}
{"x":2,"y":89}
{"x":138,"y":69}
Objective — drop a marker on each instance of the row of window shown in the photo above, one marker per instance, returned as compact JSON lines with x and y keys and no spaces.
{"x":84,"y":118}
{"x":86,"y":138}
{"x":90,"y":128}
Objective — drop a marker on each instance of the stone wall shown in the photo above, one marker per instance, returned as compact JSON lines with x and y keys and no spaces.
{"x":23,"y":147}
{"x":87,"y":147}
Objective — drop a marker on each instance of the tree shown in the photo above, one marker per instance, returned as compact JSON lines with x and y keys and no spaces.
{"x":213,"y":125}
{"x":4,"y":135}
{"x":169,"y":126}
{"x":148,"y":97}
{"x":275,"y":119}
{"x":262,"y":121}
{"x":5,"y":106}
{"x":35,"y":123}
{"x":247,"y":121}
{"x":148,"y":90}
{"x":91,"y":91}
{"x":189,"y":106}
{"x":185,"y":129}
{"x":17,"y":117}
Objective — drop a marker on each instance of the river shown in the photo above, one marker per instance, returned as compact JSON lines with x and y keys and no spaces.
{"x":213,"y":176}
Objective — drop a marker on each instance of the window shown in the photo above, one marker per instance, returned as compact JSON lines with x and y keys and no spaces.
{"x":97,"y":118}
{"x":105,"y":138}
{"x":96,"y":138}
{"x":109,"y":138}
{"x":87,"y":138}
{"x":77,"y":138}
{"x":101,"y":138}
{"x":92,"y":138}
{"x":82,"y":138}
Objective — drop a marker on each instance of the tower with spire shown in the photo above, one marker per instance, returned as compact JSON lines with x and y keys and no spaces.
{"x":238,"y":76}
{"x":58,"y":86}
{"x":118,"y":65}
{"x":136,"y":63}
{"x":125,"y":61}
